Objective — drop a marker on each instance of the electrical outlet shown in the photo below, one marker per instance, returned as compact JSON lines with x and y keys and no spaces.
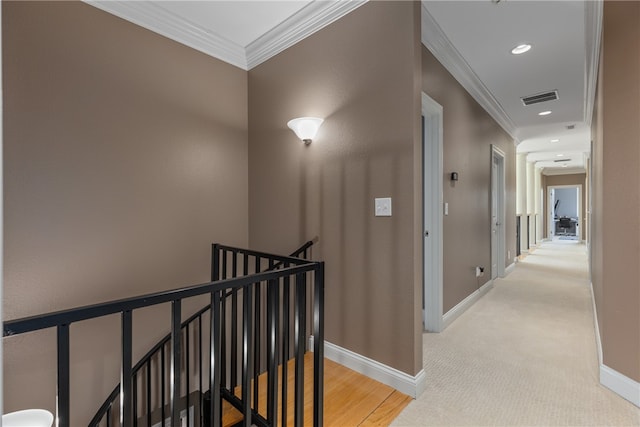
{"x":479,"y":271}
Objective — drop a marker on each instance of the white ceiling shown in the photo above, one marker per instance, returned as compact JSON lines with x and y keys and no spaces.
{"x":472,"y":39}
{"x":475,"y":38}
{"x":240,"y":22}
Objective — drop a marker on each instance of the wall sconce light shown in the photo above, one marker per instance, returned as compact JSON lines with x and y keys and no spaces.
{"x":305,"y":128}
{"x":454,"y":176}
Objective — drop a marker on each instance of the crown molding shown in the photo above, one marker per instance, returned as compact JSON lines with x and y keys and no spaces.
{"x":445,"y":52}
{"x":152,"y":16}
{"x":311,"y":18}
{"x":593,"y":37}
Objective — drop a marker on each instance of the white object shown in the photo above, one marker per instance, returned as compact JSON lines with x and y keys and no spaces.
{"x":305,"y":128}
{"x":383,"y":206}
{"x":446,"y":208}
{"x":28,"y":418}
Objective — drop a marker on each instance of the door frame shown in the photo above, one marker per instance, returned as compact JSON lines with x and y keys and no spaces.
{"x":549,"y":214}
{"x":498,"y":156}
{"x":432,"y":181}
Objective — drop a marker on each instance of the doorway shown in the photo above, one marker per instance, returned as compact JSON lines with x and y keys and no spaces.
{"x":564,"y":212}
{"x":432,"y":213}
{"x":497,"y":213}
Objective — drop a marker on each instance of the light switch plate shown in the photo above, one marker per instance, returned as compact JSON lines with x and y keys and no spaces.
{"x":383,"y":206}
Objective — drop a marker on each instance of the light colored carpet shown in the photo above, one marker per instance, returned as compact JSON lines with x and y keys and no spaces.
{"x":523,"y":355}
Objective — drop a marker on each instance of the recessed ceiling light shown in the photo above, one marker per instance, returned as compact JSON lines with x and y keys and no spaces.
{"x":559,"y":155}
{"x":564,"y":166}
{"x":521,"y":48}
{"x":555,"y":140}
{"x":544,"y":113}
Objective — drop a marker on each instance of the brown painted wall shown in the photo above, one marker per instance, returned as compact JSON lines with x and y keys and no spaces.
{"x":125,"y":158}
{"x":569,"y":179}
{"x":468,"y":134}
{"x":361,"y":74}
{"x":616,"y":238}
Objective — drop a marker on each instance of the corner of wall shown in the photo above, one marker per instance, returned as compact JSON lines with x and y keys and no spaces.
{"x":620,"y":384}
{"x":413,"y":386}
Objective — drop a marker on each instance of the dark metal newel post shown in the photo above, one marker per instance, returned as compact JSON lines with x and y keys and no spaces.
{"x":126,"y":390}
{"x":176,"y":347}
{"x":62,"y":404}
{"x":215,"y":262}
{"x":318,"y":344}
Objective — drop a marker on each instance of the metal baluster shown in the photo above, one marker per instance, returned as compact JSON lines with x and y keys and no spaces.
{"x":214,"y":345}
{"x":200,"y":354}
{"x":187,"y":372}
{"x":62,"y":404}
{"x":134,"y":394}
{"x":149,"y":392}
{"x":126,"y":385}
{"x":247,"y":344}
{"x":318,"y":344}
{"x":258,"y":335}
{"x":272,"y":349}
{"x":163,"y":384}
{"x":247,"y":354}
{"x":223,"y":327}
{"x":176,"y":350}
{"x":285,"y":345}
{"x":215,"y":262}
{"x":214,"y":363}
{"x":299,"y":347}
{"x":234,"y":327}
{"x":109,"y":416}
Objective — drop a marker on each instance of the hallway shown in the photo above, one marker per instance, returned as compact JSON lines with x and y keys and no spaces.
{"x":525,"y":354}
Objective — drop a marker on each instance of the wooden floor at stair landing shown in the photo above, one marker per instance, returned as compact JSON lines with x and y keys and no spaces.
{"x":350,"y":399}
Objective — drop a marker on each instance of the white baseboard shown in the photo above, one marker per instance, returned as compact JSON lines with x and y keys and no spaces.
{"x":405,"y":383}
{"x":510,"y":269}
{"x":464,"y":305}
{"x":620,"y":384}
{"x":596,"y":326}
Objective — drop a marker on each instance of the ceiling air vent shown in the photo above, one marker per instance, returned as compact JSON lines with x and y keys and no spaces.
{"x":562,"y":160}
{"x":540,"y":97}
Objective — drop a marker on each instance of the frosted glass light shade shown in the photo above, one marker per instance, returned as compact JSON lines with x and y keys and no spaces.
{"x":28,"y":418}
{"x":305,"y":127}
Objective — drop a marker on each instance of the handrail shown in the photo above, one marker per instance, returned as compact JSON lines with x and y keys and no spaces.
{"x":292,"y":258}
{"x":288,"y":271}
{"x":66,"y":317}
{"x":281,"y":258}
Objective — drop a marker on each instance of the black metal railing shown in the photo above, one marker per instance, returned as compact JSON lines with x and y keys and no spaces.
{"x":256,"y":321}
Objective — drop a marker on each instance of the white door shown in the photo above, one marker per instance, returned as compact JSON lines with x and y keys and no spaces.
{"x":498,"y":213}
{"x":432,"y":215}
{"x":494,"y":218}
